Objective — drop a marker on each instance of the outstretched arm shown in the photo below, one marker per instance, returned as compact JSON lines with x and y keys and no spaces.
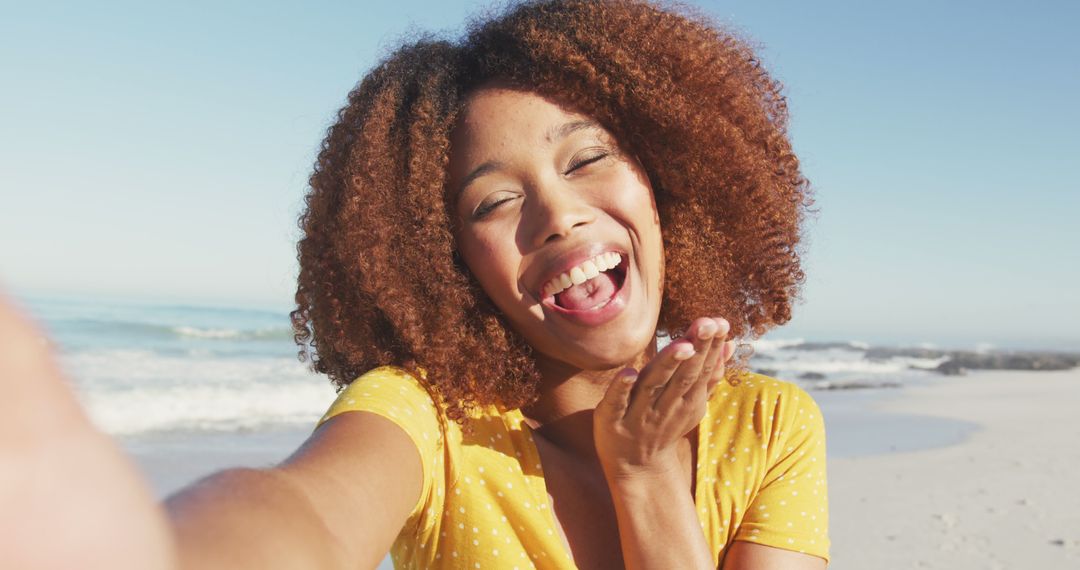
{"x":70,"y":498}
{"x":333,"y":504}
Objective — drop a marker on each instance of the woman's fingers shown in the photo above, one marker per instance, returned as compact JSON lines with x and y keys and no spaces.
{"x":673,"y":369}
{"x":715,"y":362}
{"x":654,"y":377}
{"x":643,"y":413}
{"x":613,"y":405}
{"x":689,"y":382}
{"x":727,"y":350}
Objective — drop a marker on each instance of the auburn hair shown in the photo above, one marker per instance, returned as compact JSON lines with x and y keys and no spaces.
{"x":380,"y":279}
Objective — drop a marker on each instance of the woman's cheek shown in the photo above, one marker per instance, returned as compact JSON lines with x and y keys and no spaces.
{"x":499,"y":262}
{"x":632,"y":194}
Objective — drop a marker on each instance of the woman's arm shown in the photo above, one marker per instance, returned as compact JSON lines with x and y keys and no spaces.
{"x":637,"y":428}
{"x":336,"y":503}
{"x":635,"y":431}
{"x":744,"y":555}
{"x":70,"y":498}
{"x":658,"y":526}
{"x":661,"y":515}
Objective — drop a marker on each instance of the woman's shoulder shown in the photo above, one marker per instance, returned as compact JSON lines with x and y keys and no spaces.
{"x":398,"y":395}
{"x":393,"y":389}
{"x":390,"y":376}
{"x":769,"y":443}
{"x":748,"y":386}
{"x":764,"y":405}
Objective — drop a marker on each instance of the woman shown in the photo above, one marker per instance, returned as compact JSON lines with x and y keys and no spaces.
{"x":496,"y":233}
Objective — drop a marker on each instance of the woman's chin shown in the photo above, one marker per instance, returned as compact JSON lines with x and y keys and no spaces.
{"x":610,"y":355}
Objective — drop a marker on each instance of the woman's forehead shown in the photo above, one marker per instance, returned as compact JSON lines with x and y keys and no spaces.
{"x":511,"y":110}
{"x":497,"y":123}
{"x":496,"y":117}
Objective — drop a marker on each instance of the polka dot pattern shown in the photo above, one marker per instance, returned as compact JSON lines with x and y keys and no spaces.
{"x":760,"y":476}
{"x":788,"y":505}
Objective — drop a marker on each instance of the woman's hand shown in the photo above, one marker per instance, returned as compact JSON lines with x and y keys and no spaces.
{"x":69,"y":498}
{"x":637,"y":427}
{"x":644,"y":414}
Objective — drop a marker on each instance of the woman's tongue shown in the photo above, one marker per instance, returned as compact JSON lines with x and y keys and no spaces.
{"x":587,"y":295}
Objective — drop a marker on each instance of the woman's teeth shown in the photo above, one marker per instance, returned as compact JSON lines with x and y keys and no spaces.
{"x":582,"y":273}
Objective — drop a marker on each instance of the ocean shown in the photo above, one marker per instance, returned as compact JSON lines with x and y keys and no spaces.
{"x":142,"y":368}
{"x":189,"y":389}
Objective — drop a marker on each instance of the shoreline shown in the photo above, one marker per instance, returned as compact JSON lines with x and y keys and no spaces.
{"x":173,"y":460}
{"x":948,"y":472}
{"x":858,"y":424}
{"x":861,"y":423}
{"x":1002,"y":497}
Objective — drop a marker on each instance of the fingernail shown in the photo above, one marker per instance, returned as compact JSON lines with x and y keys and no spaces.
{"x":724,"y":326}
{"x":684,"y":352}
{"x":707,"y":330}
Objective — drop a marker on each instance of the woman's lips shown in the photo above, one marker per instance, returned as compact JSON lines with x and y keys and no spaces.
{"x":602,"y":313}
{"x":574,"y":258}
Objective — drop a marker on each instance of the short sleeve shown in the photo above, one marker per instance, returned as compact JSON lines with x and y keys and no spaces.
{"x":398,"y":396}
{"x":790,"y":510}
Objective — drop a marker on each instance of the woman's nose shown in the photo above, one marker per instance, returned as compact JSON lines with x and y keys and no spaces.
{"x":557,"y":210}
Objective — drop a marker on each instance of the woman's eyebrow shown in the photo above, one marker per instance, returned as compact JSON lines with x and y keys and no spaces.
{"x":554,"y":134}
{"x":566,"y":129}
{"x":485,"y":168}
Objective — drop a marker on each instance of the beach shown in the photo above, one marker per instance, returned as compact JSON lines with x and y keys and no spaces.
{"x":1004,"y":497}
{"x":929,"y":467}
{"x":958,"y":472}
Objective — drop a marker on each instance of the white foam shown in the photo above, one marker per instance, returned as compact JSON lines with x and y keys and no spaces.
{"x":206,"y":333}
{"x":132,"y":391}
{"x":223,"y":408}
{"x":229,"y":333}
{"x":773,"y":345}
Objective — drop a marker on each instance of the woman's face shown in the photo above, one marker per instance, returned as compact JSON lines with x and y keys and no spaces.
{"x":559,"y":227}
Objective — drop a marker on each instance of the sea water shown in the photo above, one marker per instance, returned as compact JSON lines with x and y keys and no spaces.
{"x":141,"y":368}
{"x":189,"y":389}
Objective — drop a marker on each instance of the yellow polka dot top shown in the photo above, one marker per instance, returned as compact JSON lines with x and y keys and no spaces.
{"x":760,"y":476}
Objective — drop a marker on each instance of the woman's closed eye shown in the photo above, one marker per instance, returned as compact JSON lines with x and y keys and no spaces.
{"x":587,"y":160}
{"x":590,"y":157}
{"x":485,"y":208}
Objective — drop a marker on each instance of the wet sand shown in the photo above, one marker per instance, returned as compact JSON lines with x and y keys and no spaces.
{"x":1004,"y":497}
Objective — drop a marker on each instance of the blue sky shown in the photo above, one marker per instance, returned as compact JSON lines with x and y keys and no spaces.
{"x":161,"y":152}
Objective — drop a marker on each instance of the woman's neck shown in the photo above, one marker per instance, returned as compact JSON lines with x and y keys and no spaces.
{"x":563,"y":414}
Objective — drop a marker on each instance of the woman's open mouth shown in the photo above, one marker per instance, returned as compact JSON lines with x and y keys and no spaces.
{"x":590,"y":300}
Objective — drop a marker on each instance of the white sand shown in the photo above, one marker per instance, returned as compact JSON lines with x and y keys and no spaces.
{"x":1009,"y":497}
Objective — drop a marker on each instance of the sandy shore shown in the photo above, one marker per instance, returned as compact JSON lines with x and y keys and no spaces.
{"x":1005,"y":497}
{"x":171,"y":461}
{"x":978,"y":471}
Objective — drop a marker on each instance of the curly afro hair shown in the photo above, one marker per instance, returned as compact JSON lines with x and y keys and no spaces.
{"x":380,"y":280}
